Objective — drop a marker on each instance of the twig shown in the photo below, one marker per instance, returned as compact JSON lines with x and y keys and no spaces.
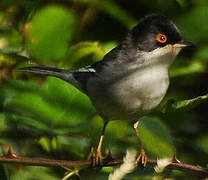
{"x":195,"y":169}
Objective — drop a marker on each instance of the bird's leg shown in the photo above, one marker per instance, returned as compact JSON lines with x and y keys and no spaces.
{"x":142,"y":156}
{"x":98,"y":156}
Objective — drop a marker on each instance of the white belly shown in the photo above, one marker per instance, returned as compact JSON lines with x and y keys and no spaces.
{"x":133,"y":94}
{"x":142,"y":90}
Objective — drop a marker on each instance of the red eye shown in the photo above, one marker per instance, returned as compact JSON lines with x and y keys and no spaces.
{"x":161,"y":38}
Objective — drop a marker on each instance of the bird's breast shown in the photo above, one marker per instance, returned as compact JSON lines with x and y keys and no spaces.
{"x":140,"y":91}
{"x":131,"y":94}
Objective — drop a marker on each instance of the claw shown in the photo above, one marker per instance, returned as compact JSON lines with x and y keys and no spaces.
{"x":92,"y":154}
{"x":91,"y":157}
{"x":142,"y":158}
{"x":96,"y":158}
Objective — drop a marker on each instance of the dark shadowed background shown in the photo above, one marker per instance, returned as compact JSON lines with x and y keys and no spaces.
{"x":46,"y":117}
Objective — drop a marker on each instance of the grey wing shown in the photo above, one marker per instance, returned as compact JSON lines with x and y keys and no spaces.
{"x":80,"y":77}
{"x":108,"y":60}
{"x":83,"y":75}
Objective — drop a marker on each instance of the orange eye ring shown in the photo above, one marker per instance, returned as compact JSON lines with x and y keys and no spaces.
{"x":161,"y":38}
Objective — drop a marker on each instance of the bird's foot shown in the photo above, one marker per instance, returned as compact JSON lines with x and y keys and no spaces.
{"x":142,"y":158}
{"x":96,"y":157}
{"x":98,"y":160}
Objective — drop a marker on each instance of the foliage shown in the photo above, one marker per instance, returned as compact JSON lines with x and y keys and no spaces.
{"x":46,"y":117}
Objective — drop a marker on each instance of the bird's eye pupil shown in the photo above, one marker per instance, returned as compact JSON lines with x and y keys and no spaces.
{"x":161,"y":38}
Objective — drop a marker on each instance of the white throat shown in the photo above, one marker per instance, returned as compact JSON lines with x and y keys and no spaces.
{"x":161,"y":56}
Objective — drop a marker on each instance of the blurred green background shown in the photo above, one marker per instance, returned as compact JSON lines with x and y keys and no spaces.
{"x":46,"y":117}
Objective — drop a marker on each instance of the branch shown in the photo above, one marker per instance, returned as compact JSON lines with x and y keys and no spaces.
{"x":195,"y":169}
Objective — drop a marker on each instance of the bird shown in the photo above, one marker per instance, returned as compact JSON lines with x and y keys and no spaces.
{"x":132,"y":79}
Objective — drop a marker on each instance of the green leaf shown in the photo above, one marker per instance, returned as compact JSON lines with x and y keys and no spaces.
{"x":181,"y":67}
{"x":49,"y":33}
{"x":76,"y":55}
{"x":76,"y":106}
{"x":33,"y":172}
{"x":113,"y":10}
{"x":156,"y":138}
{"x":54,"y":143}
{"x":2,"y":122}
{"x":202,"y":142}
{"x":184,"y":105}
{"x":10,"y":41}
{"x":192,"y":23}
{"x":75,"y":145}
{"x":202,"y":54}
{"x":45,"y":142}
{"x":182,"y":3}
{"x":56,"y":103}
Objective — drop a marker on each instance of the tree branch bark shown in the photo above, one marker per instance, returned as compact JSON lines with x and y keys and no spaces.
{"x":195,"y":169}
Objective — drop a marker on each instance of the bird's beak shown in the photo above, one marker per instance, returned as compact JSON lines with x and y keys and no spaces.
{"x":184,"y":43}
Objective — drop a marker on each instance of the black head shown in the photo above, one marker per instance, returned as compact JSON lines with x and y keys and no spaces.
{"x":156,"y":31}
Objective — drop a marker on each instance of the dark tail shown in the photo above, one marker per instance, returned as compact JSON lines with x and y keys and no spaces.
{"x":59,"y":73}
{"x":48,"y":71}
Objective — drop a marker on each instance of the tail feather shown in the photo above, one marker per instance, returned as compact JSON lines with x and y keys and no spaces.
{"x":51,"y":71}
{"x":78,"y":79}
{"x":47,"y":71}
